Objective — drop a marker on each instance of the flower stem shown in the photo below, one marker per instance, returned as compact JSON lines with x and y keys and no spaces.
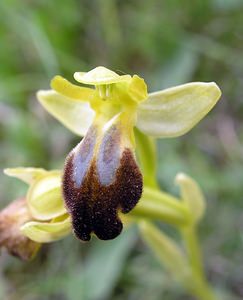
{"x":200,"y":287}
{"x":165,"y":199}
{"x":146,"y":150}
{"x":159,"y":205}
{"x":152,"y":210}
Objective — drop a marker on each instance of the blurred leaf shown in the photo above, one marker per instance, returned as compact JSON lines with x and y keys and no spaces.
{"x":24,"y":135}
{"x":166,"y":250}
{"x":43,"y":47}
{"x":227,"y":4}
{"x":179,"y":69}
{"x":2,"y":289}
{"x":103,"y":267}
{"x":25,"y":25}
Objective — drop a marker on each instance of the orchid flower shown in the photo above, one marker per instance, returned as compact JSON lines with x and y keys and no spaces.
{"x":101,"y":176}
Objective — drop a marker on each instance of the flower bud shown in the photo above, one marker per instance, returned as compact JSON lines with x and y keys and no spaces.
{"x":11,"y":219}
{"x":101,"y":177}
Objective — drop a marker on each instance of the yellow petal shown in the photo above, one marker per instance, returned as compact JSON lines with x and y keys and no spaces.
{"x":138,"y":89}
{"x":27,"y":175}
{"x":47,"y":232}
{"x":174,"y":111}
{"x":66,"y":88}
{"x":75,"y":115}
{"x":192,"y":195}
{"x":100,"y":75}
{"x":44,"y":197}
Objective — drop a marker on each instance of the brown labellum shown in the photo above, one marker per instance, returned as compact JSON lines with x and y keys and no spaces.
{"x":96,"y":187}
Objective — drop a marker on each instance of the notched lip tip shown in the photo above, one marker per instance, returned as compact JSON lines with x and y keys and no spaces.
{"x":82,"y":239}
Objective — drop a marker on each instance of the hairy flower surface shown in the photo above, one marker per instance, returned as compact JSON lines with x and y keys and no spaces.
{"x":101,"y":176}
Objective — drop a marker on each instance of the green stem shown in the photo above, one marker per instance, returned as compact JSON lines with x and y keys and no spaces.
{"x":146,"y":151}
{"x":165,"y":199}
{"x":167,"y":250}
{"x":199,"y":285}
{"x":156,"y":205}
{"x":203,"y":291}
{"x":162,"y":206}
{"x":193,"y":250}
{"x":151,"y":210}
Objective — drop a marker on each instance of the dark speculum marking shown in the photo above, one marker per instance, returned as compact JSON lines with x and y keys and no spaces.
{"x":82,"y":156}
{"x":109,"y":156}
{"x":94,"y":204}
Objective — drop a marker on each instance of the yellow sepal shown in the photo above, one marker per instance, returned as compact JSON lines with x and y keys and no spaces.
{"x":44,"y":197}
{"x":28,"y":175}
{"x":46,"y":232}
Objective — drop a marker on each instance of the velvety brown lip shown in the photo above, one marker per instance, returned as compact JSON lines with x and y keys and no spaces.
{"x":94,"y":206}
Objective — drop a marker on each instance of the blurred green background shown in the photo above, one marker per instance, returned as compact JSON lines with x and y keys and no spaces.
{"x":168,"y":43}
